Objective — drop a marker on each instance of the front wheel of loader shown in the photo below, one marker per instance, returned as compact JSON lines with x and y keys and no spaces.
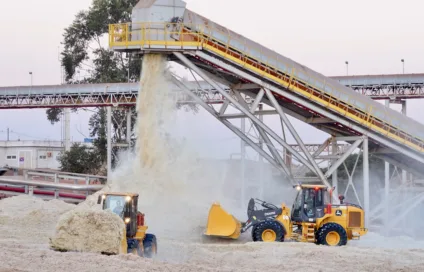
{"x":150,"y":245}
{"x":331,"y":234}
{"x":268,"y":231}
{"x":138,"y":250}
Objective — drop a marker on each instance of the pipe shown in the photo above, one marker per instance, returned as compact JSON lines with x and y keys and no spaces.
{"x":51,"y":185}
{"x":40,"y":192}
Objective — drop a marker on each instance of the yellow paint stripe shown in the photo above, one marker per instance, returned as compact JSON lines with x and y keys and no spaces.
{"x":162,"y":43}
{"x":314,"y":98}
{"x":276,"y":79}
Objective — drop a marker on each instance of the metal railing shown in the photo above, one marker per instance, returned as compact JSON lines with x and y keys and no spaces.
{"x":170,"y":36}
{"x":50,"y":184}
{"x":47,"y":185}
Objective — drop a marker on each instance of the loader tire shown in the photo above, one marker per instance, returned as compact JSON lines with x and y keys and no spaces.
{"x":331,"y":234}
{"x":150,"y":245}
{"x":268,"y":231}
{"x":138,"y":250}
{"x":135,"y":247}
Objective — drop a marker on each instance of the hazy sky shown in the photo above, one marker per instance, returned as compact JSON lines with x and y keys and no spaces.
{"x":372,"y":35}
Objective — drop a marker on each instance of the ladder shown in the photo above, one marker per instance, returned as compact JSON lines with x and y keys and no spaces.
{"x":309,"y":232}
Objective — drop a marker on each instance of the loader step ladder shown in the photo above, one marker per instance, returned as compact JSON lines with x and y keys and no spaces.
{"x":355,"y":235}
{"x":309,"y":232}
{"x":295,"y":236}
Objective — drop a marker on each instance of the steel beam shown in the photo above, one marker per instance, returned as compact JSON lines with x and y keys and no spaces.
{"x":316,"y":153}
{"x":257,"y":100}
{"x":296,"y":136}
{"x":241,"y":115}
{"x":366,"y":182}
{"x":319,"y":121}
{"x":228,"y":125}
{"x":264,"y":136}
{"x":243,"y":161}
{"x":109,"y":141}
{"x":404,"y":111}
{"x":192,"y":66}
{"x":302,"y":101}
{"x":386,"y":196}
{"x":260,"y":158}
{"x":67,"y":129}
{"x":343,"y":158}
{"x":247,"y":86}
{"x":348,"y":139}
{"x":224,"y":107}
{"x":334,"y":177}
{"x":129,"y":127}
{"x":350,"y":177}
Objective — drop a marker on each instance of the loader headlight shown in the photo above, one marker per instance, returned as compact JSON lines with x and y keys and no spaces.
{"x":128,"y":198}
{"x":298,"y":187}
{"x":127,"y":220}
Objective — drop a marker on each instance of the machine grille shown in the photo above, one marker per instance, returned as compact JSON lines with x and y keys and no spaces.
{"x":354,"y":220}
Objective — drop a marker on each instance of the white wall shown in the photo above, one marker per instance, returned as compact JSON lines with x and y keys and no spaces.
{"x":47,"y":158}
{"x":10,"y":156}
{"x":35,"y":154}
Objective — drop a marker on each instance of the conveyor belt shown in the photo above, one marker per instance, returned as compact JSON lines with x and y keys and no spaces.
{"x":166,"y":27}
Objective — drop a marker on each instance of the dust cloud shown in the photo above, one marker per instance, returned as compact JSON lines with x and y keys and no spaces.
{"x":176,"y":188}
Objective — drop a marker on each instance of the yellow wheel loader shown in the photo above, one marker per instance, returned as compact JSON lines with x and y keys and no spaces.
{"x":313,"y":219}
{"x":137,"y":240}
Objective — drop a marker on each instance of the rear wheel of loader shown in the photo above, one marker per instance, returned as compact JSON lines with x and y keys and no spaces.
{"x":268,"y":231}
{"x":332,"y":234}
{"x":150,"y":245}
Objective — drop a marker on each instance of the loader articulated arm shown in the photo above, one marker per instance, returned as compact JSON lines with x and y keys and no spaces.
{"x":254,"y":215}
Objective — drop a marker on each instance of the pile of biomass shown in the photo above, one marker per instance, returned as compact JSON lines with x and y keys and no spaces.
{"x":94,"y":231}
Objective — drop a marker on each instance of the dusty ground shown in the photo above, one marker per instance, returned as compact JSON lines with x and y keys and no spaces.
{"x":25,"y":232}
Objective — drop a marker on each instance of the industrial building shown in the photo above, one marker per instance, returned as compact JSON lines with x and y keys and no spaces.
{"x":30,"y":154}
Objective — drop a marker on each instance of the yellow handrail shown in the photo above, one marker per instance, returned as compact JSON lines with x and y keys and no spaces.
{"x":197,"y":37}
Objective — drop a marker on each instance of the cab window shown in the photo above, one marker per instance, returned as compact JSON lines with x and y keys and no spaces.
{"x":297,"y":205}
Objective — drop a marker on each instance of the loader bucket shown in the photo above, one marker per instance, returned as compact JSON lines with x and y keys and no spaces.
{"x":222,"y":224}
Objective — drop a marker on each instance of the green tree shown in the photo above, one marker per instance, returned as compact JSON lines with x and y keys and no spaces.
{"x":84,"y":52}
{"x":80,"y":159}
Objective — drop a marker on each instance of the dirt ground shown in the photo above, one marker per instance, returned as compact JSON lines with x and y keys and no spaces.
{"x":25,"y":232}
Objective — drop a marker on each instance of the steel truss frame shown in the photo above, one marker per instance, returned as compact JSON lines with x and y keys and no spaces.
{"x":390,"y":91}
{"x":360,"y":142}
{"x":67,"y":100}
{"x":90,"y":99}
{"x":125,"y":94}
{"x":236,"y":99}
{"x":247,"y":104}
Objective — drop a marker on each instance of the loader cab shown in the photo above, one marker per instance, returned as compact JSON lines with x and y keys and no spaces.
{"x":123,"y":205}
{"x":309,"y":203}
